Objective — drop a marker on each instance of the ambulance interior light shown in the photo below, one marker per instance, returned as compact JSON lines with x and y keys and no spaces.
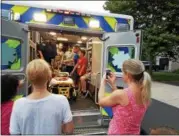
{"x":94,"y":23}
{"x":62,"y":39}
{"x":84,"y":38}
{"x":53,"y":33}
{"x":79,"y":42}
{"x":39,"y":17}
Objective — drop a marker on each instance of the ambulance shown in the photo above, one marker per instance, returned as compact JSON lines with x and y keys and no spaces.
{"x":109,"y":39}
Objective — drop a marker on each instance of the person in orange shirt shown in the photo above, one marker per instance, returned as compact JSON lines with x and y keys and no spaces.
{"x":81,"y":66}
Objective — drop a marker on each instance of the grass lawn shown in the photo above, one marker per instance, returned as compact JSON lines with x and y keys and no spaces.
{"x":166,"y":76}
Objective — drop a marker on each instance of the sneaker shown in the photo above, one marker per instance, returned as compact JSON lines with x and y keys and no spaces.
{"x":85,"y":94}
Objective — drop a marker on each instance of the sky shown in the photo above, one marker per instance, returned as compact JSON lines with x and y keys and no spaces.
{"x":95,"y":6}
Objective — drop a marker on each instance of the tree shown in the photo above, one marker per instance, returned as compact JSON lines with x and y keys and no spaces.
{"x":160,"y":21}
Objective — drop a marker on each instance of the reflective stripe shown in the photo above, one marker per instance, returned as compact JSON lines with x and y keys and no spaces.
{"x":28,"y":15}
{"x":6,"y":6}
{"x":106,"y":111}
{"x":122,"y":20}
{"x":111,"y":21}
{"x":106,"y":23}
{"x":56,"y":19}
{"x":80,"y":22}
{"x":19,"y":9}
{"x":103,"y":112}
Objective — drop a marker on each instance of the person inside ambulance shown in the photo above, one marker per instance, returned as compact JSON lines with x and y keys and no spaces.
{"x":74,"y":60}
{"x":47,"y":50}
{"x":83,"y":81}
{"x":60,"y":49}
{"x":80,"y":67}
{"x":69,"y":56}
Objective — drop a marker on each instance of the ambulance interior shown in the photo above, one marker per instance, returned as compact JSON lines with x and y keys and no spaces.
{"x":92,"y":46}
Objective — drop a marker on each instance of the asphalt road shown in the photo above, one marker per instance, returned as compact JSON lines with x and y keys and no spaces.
{"x":164,"y":109}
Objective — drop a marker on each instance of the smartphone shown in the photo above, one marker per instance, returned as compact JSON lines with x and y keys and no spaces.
{"x":108,"y":73}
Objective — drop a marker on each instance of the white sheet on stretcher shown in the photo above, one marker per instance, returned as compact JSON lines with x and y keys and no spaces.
{"x":56,"y":82}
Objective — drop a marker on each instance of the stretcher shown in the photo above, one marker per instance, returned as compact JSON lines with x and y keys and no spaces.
{"x":64,"y":85}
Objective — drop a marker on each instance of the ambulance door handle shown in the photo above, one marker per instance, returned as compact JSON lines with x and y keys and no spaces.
{"x":104,"y":39}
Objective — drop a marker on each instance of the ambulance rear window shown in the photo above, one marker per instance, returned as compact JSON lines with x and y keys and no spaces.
{"x":117,"y":55}
{"x":10,"y":53}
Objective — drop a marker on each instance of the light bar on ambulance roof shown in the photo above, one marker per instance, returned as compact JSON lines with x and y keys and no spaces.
{"x":67,"y":12}
{"x":40,"y":17}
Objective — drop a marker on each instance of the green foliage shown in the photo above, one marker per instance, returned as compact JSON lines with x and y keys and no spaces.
{"x":165,"y":76}
{"x":176,"y":71}
{"x":160,"y":21}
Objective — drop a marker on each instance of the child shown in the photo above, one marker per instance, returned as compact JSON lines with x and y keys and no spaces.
{"x":9,"y":87}
{"x":41,"y":113}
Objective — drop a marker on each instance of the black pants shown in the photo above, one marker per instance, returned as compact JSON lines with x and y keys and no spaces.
{"x":69,"y":69}
{"x":76,"y":78}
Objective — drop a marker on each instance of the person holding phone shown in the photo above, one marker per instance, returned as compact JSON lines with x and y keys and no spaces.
{"x":128,"y":105}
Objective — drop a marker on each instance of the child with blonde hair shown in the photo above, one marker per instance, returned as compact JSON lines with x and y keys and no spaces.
{"x":41,"y":112}
{"x":128,"y":105}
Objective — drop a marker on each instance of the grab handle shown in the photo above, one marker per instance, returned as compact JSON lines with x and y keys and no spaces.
{"x":96,"y":88}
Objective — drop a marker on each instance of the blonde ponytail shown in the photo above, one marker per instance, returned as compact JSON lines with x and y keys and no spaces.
{"x":146,"y":88}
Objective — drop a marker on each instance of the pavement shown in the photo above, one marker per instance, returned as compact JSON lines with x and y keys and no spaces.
{"x":166,"y":93}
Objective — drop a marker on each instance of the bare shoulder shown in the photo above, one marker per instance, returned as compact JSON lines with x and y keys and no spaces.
{"x":119,"y":92}
{"x":120,"y":95}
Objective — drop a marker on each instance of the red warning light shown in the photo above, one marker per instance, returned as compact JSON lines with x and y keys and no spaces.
{"x":66,"y":12}
{"x":137,"y":38}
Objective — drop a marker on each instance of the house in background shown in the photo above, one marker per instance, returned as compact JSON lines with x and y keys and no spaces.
{"x":165,"y":64}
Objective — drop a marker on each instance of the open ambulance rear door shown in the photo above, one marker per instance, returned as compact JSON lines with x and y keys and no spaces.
{"x":14,"y":50}
{"x":118,"y":47}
